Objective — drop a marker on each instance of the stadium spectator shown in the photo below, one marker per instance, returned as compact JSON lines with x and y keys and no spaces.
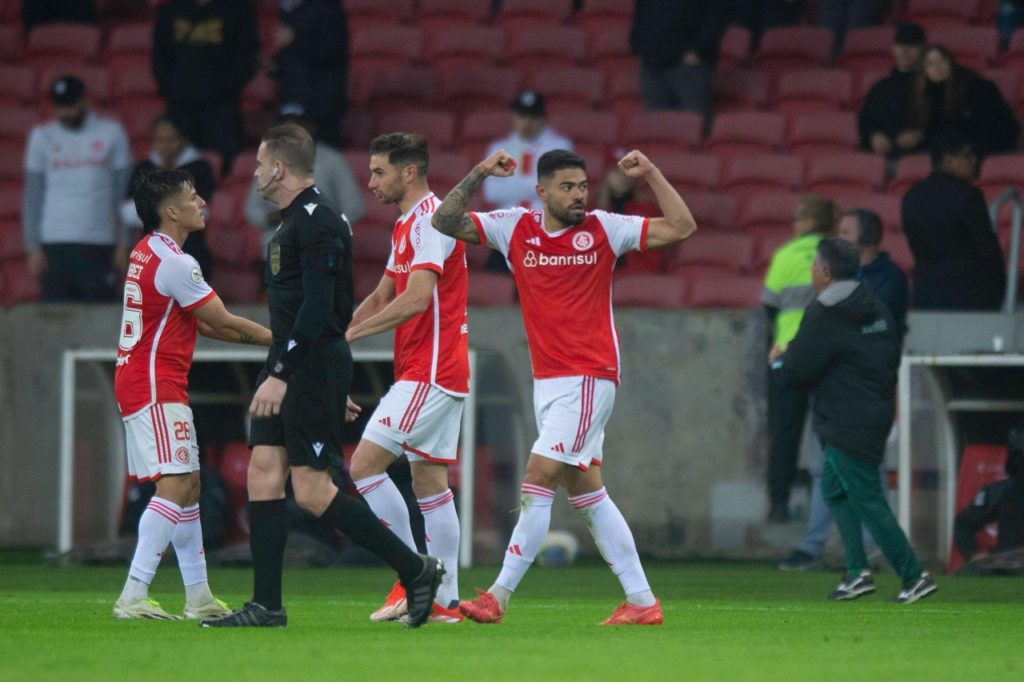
{"x":842,"y":15}
{"x":38,"y":12}
{"x":677,"y":43}
{"x":204,"y":52}
{"x":787,"y":291}
{"x":311,"y":63}
{"x":947,"y":96}
{"x":958,"y":264}
{"x":171,"y":150}
{"x":333,"y":177}
{"x":846,"y":354}
{"x":1001,"y":503}
{"x":76,"y":171}
{"x":884,"y":119}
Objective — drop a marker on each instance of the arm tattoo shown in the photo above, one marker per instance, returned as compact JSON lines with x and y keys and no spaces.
{"x":450,"y":217}
{"x":245,"y":337}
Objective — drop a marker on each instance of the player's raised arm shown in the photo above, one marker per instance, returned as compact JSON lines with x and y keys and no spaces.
{"x":676,"y":223}
{"x":216,"y":322}
{"x":451,"y":218}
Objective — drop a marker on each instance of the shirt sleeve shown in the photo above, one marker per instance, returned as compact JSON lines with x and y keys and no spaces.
{"x":120,"y":153}
{"x":495,"y":228}
{"x":181,"y":278}
{"x":625,"y":232}
{"x":389,"y":269}
{"x":430,"y":248}
{"x":35,"y":152}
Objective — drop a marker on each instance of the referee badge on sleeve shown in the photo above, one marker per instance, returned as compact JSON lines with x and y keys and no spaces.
{"x":275,"y":258}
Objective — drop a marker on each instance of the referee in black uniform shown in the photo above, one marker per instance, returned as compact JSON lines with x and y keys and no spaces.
{"x":300,"y":405}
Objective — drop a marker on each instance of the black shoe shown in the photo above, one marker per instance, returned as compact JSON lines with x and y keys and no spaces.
{"x":250,"y":615}
{"x":799,"y":561}
{"x":420,"y":592}
{"x":918,"y":590}
{"x":779,"y":513}
{"x":853,"y":588}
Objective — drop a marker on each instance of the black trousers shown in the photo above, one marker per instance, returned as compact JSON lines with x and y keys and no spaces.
{"x":787,"y":410}
{"x":79,"y":273}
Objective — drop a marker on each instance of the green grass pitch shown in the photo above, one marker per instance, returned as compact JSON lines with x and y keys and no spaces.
{"x":724,"y":621}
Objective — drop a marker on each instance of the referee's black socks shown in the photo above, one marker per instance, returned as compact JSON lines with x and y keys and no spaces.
{"x":355,"y":519}
{"x":268,"y":532}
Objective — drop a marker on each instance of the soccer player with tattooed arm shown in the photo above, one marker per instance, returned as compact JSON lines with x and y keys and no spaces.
{"x":562,"y":259}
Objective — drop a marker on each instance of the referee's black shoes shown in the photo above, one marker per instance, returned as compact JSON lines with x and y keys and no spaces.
{"x":252,"y":615}
{"x":420,"y":592}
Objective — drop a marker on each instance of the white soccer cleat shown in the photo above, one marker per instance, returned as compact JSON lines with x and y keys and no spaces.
{"x":215,"y":608}
{"x":146,"y":608}
{"x":395,"y":605}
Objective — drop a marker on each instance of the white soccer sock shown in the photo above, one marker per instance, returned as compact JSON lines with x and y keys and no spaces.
{"x":155,"y":530}
{"x":188,"y":546}
{"x":527,"y":538}
{"x":381,"y":493}
{"x":615,"y":542}
{"x":441,"y":524}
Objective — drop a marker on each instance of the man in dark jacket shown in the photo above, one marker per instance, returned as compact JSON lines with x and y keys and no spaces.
{"x":884,"y":118}
{"x":847,"y":353}
{"x":204,"y":52}
{"x":863,"y":228}
{"x":958,"y":264}
{"x":677,"y":43}
{"x":1001,"y":503}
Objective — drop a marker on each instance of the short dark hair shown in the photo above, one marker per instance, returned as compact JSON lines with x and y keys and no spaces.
{"x":869,"y":226}
{"x":293,"y":146}
{"x":555,"y":160}
{"x":404,"y":149}
{"x":840,"y":257}
{"x":949,"y":142}
{"x":151,"y":190}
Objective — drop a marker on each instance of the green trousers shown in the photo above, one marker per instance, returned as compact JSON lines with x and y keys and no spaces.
{"x":853,"y":492}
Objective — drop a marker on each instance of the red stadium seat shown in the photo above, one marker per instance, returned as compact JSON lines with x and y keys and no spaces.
{"x":238,"y":245}
{"x":439,"y":15}
{"x":811,"y":135}
{"x":623,"y":96}
{"x":66,"y":42}
{"x":667,"y":130}
{"x":546,"y":47}
{"x":608,"y":50}
{"x":475,"y":89}
{"x":794,"y":47}
{"x":768,"y":242}
{"x":134,"y":82}
{"x":260,"y":93}
{"x":726,"y":291}
{"x":769,"y":213}
{"x":887,"y":206}
{"x":373,"y":246}
{"x":464,"y":46}
{"x":975,"y":47}
{"x":138,"y":122}
{"x":480,"y":128}
{"x":10,"y":201}
{"x":17,"y":85}
{"x":1013,"y":57}
{"x":895,"y":244}
{"x":862,"y":86}
{"x":812,"y":90}
{"x":402,"y":88}
{"x":96,"y":79}
{"x":729,"y":251}
{"x":603,"y":13}
{"x":689,"y":172}
{"x":242,"y":169}
{"x":10,"y":11}
{"x":12,"y":43}
{"x":134,"y":40}
{"x":713,"y":210}
{"x":649,"y":291}
{"x":570,"y":89}
{"x":595,"y":127}
{"x":867,"y":49}
{"x":529,"y":14}
{"x":237,"y":285}
{"x":734,"y":50}
{"x":447,"y":169}
{"x":12,"y":246}
{"x":853,"y":173}
{"x":932,"y":14}
{"x":746,"y":132}
{"x":910,"y":170}
{"x":1007,"y":82}
{"x":16,"y":284}
{"x":16,"y":123}
{"x":746,"y":176}
{"x":491,"y":289}
{"x":1001,"y":171}
{"x":980,"y":465}
{"x":386,"y":46}
{"x":740,"y":90}
{"x":12,"y":167}
{"x":368,"y":13}
{"x":437,"y":126}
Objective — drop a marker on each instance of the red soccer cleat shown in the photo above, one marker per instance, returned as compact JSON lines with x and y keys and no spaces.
{"x":484,"y":609}
{"x":630,"y":614}
{"x":394,"y":606}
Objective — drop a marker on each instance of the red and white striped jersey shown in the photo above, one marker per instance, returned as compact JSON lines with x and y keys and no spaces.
{"x":434,"y":345}
{"x":565,"y":285}
{"x":158,"y":335}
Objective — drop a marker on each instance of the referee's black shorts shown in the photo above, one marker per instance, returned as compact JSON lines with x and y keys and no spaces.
{"x":312,"y":415}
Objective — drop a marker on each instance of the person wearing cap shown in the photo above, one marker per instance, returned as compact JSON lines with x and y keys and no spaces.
{"x":77,"y":169}
{"x":884,"y":121}
{"x":530,"y":138}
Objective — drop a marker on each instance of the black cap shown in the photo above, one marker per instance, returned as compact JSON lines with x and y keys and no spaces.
{"x":909,"y":34}
{"x":67,"y":90}
{"x":529,"y":103}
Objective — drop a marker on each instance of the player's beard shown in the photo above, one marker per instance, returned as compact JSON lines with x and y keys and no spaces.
{"x":570,"y":215}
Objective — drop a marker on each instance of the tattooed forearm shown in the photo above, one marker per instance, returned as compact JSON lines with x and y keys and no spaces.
{"x":450,"y":217}
{"x":246,"y":338}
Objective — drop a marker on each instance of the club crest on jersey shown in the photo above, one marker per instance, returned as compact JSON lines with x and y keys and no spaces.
{"x":275,"y":258}
{"x":402,"y":244}
{"x":582,"y":241}
{"x":181,"y":455}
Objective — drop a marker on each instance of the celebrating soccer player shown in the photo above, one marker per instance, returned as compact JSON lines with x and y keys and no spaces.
{"x":166,"y":300}
{"x":562,"y":260}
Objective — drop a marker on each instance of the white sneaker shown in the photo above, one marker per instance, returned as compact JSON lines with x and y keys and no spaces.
{"x":145,"y":608}
{"x":215,"y":608}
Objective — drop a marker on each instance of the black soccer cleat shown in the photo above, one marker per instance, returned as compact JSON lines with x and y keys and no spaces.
{"x":252,"y":615}
{"x":420,"y":592}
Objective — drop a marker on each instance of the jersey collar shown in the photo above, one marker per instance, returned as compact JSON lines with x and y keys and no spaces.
{"x":408,"y":214}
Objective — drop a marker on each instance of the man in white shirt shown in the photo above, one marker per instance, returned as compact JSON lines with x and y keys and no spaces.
{"x":76,"y":171}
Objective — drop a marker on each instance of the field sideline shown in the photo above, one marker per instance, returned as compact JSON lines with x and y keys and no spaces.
{"x":724,"y":621}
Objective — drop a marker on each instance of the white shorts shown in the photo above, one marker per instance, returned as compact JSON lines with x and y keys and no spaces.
{"x":571,"y":413}
{"x":418,"y":419}
{"x":161,"y":441}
